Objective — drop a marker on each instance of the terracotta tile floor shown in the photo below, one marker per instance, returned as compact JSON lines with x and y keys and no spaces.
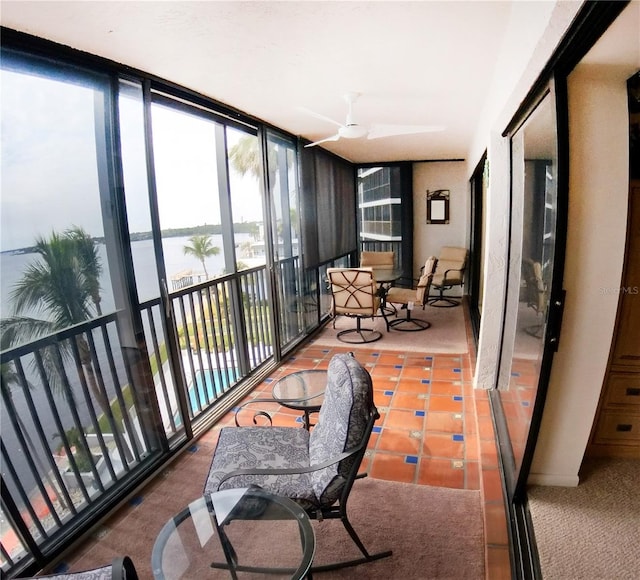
{"x":434,"y":428}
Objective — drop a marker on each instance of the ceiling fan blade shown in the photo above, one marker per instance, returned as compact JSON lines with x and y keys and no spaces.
{"x":379,"y":131}
{"x":319,"y":116}
{"x":332,"y":138}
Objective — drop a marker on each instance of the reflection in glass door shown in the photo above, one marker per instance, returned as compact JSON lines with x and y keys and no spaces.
{"x":530,"y":276}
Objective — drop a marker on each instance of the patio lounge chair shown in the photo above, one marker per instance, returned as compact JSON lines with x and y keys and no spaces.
{"x":412,"y":297}
{"x":316,"y":468}
{"x":355,"y":294}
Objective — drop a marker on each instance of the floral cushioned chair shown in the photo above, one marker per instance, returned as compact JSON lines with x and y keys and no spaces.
{"x":315,"y":468}
{"x":121,"y":568}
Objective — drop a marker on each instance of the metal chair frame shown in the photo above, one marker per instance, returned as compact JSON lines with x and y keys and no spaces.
{"x":355,"y":295}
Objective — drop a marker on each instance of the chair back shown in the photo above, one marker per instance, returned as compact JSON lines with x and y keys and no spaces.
{"x":378,"y":259}
{"x":424,"y":283}
{"x":354,"y":291}
{"x":345,"y":421}
{"x":452,"y":262}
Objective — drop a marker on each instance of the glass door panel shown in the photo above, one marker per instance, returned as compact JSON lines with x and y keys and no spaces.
{"x":285,"y":238}
{"x":531,"y":265}
{"x":78,"y":408}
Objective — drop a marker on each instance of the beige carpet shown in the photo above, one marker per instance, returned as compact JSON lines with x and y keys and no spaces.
{"x":590,"y":532}
{"x":435,"y":533}
{"x":447,"y":334}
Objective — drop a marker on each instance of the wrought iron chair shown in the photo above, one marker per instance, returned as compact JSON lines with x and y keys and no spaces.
{"x":121,"y":568}
{"x":316,"y":468}
{"x":355,"y":294}
{"x":410,"y":297}
{"x":450,"y":269}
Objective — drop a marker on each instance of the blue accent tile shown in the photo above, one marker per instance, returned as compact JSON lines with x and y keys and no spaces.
{"x":411,"y":459}
{"x":428,"y":358}
{"x":137,"y":500}
{"x":193,"y":449}
{"x":377,"y":429}
{"x":525,"y":403}
{"x":298,"y":419}
{"x":457,"y":370}
{"x":457,"y":437}
{"x":513,"y":374}
{"x":397,"y":366}
{"x":419,"y":413}
{"x":388,"y":393}
{"x":375,"y":354}
{"x":425,"y":381}
{"x":457,"y":398}
{"x":61,"y":568}
{"x":269,"y":380}
{"x":326,"y":350}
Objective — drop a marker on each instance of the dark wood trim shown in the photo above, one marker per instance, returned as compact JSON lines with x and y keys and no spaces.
{"x":476,"y":185}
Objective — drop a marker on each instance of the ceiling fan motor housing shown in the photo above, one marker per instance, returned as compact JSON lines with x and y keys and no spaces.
{"x":352,"y":131}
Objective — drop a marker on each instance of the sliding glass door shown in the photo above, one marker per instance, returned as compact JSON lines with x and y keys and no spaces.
{"x":534,"y":296}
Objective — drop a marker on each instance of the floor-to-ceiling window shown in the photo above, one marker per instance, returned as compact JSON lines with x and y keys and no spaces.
{"x":142,"y":285}
{"x":79,"y":417}
{"x":385,"y":216}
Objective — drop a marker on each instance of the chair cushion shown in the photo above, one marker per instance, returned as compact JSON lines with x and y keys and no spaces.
{"x":342,"y":423}
{"x":454,"y":276}
{"x":368,"y":258}
{"x":263,"y":447}
{"x":104,"y":573}
{"x":453,"y":254}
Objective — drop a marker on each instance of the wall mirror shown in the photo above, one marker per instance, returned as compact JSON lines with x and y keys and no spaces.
{"x":438,"y":206}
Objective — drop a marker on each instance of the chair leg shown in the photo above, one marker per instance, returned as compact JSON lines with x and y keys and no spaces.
{"x":442,"y":301}
{"x":408,"y":324}
{"x":360,"y":335}
{"x":367,"y":557}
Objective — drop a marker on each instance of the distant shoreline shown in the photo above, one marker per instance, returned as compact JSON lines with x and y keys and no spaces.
{"x":215,"y":229}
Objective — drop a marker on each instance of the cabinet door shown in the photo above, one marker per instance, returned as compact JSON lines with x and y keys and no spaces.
{"x":627,"y":349}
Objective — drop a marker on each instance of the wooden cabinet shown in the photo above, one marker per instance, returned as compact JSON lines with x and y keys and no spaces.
{"x":617,"y":427}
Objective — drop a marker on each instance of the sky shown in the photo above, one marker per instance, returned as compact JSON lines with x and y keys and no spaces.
{"x":49,"y":177}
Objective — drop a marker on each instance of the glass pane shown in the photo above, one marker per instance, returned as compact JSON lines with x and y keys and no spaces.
{"x":285,"y":210}
{"x":75,"y":413}
{"x":50,"y":186}
{"x":134,"y":165}
{"x":245,"y":174}
{"x":184,"y":148}
{"x":533,"y":219}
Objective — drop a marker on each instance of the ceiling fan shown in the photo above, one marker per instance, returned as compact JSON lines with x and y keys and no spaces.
{"x":353,"y":130}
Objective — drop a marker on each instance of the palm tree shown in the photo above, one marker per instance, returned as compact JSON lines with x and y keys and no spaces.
{"x":201,"y":248}
{"x":62,"y":286}
{"x":90,"y":264}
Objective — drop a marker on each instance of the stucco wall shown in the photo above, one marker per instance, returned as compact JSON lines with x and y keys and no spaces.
{"x":428,"y":239}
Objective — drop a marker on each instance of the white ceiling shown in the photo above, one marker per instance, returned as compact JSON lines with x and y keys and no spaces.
{"x":422,"y":62}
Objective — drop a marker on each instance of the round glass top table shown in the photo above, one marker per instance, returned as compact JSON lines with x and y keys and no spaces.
{"x":386,"y":275}
{"x":235,"y":533}
{"x":302,"y":390}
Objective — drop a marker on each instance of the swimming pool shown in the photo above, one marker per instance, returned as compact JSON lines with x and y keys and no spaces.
{"x":210,"y":384}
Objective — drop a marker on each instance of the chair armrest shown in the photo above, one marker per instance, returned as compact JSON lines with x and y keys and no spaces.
{"x":293,"y":470}
{"x":122,"y":568}
{"x":259,"y":413}
{"x":444,"y":276}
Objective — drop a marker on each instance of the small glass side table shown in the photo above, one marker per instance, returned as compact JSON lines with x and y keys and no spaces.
{"x":303,"y":391}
